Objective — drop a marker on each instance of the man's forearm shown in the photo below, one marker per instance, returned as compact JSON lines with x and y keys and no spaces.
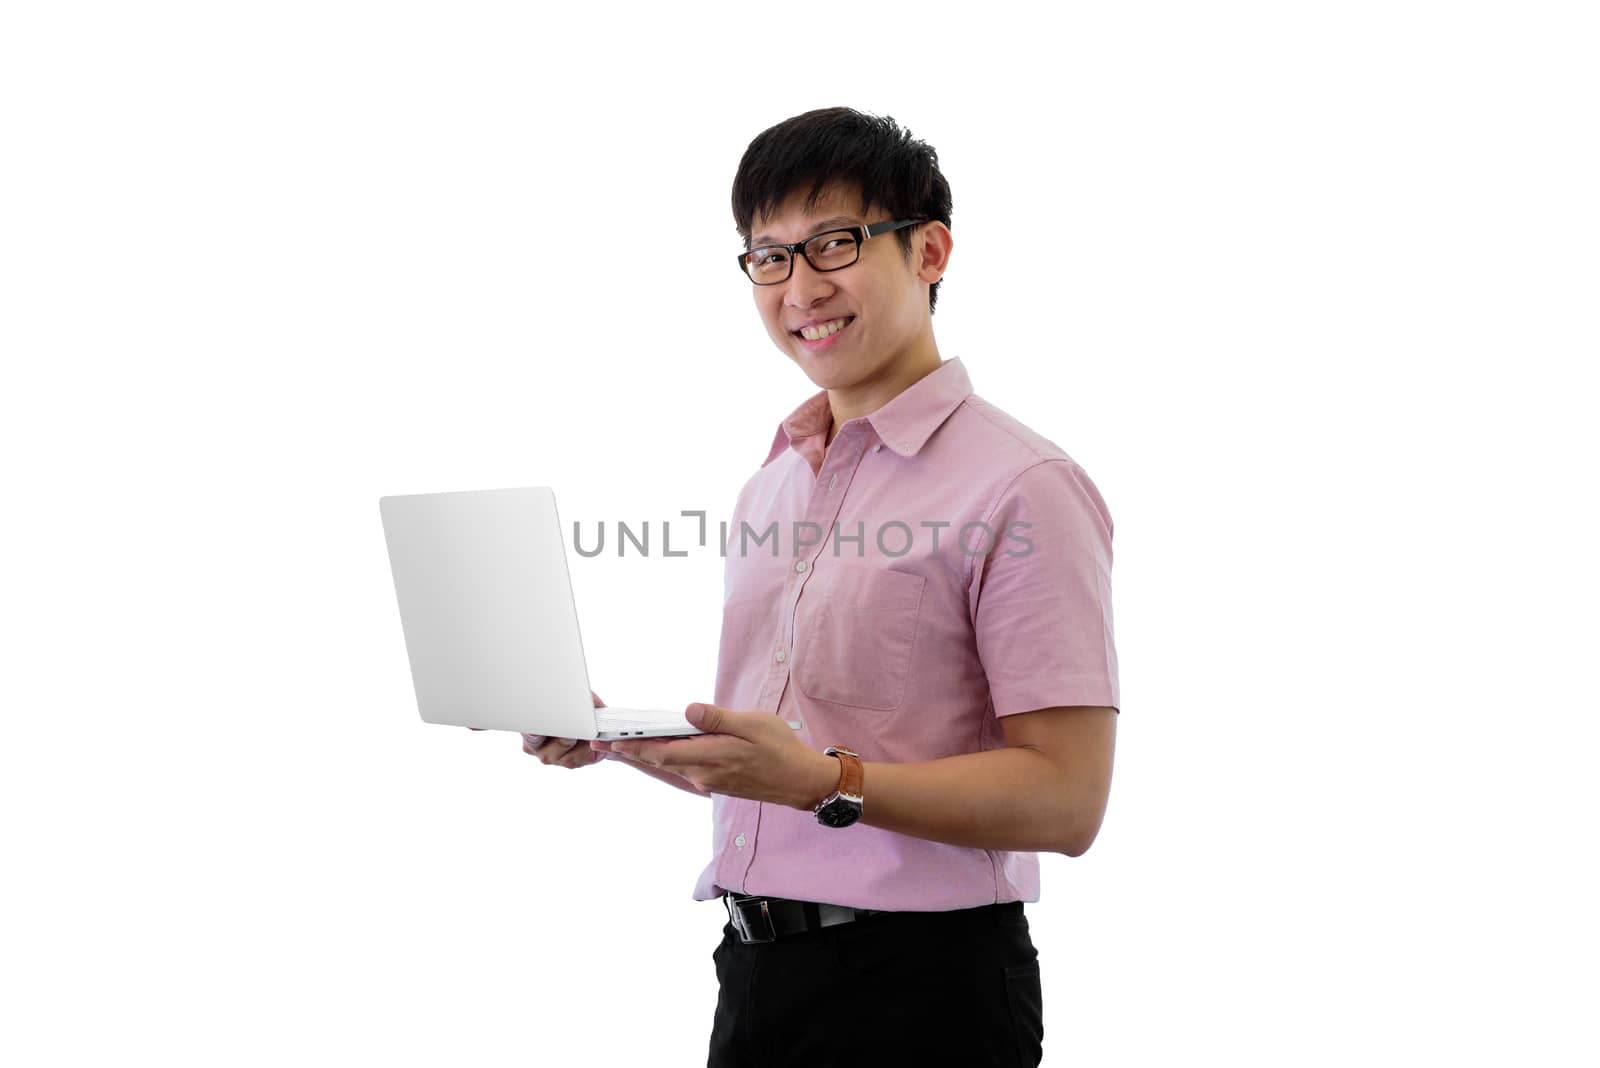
{"x":658,"y":773}
{"x":1003,"y":799}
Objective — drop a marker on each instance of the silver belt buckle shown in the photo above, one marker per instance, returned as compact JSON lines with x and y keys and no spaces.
{"x":751,"y":919}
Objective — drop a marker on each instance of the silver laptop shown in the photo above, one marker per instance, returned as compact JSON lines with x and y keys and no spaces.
{"x":490,"y":625}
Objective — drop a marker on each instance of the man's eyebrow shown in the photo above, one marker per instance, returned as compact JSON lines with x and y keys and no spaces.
{"x":823,"y":224}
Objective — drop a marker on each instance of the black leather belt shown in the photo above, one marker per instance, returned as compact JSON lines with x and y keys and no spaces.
{"x":765,"y":919}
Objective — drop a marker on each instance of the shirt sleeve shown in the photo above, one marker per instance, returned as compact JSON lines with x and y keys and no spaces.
{"x":1040,"y":598}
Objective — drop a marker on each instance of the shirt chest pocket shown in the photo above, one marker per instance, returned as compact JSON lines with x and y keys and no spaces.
{"x":858,"y":643}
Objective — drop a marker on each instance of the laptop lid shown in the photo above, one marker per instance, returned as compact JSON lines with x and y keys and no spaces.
{"x":491,"y":627}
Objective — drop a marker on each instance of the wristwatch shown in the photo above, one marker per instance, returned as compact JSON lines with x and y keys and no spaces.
{"x":843,"y":807}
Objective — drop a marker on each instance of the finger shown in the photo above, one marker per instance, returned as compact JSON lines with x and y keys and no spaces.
{"x":562,"y":752}
{"x":597,"y":702}
{"x":637,"y":751}
{"x":574,"y":755}
{"x":580,"y":757}
{"x":554,"y":749}
{"x":676,"y":752}
{"x":656,"y":754}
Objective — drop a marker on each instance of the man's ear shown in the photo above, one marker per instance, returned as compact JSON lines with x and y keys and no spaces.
{"x":934,"y":243}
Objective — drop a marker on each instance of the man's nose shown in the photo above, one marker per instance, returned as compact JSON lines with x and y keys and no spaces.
{"x":806,"y":285}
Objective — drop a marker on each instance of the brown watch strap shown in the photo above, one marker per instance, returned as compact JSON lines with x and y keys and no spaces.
{"x":852,"y":776}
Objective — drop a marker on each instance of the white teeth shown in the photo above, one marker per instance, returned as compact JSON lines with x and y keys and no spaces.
{"x":817,"y":333}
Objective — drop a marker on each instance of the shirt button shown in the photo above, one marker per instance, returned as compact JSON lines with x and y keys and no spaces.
{"x":782,"y":656}
{"x":877,"y":447}
{"x":800,"y":565}
{"x":739,"y":841}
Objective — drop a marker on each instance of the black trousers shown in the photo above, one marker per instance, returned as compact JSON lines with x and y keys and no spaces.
{"x":898,"y":988}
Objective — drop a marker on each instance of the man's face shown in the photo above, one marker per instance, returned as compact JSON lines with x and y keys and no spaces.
{"x":880,"y":297}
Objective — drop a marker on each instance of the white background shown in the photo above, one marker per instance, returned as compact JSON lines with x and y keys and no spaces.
{"x":1308,"y":290}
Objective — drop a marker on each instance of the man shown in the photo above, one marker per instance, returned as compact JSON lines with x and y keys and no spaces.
{"x":924,"y":584}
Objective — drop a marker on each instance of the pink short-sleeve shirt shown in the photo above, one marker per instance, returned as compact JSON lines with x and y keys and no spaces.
{"x":935,"y":568}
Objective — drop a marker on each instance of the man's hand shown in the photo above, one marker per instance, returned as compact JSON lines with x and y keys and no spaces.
{"x":562,"y":752}
{"x":753,"y":755}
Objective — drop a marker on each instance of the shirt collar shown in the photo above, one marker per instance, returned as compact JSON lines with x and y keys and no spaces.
{"x":904,"y":424}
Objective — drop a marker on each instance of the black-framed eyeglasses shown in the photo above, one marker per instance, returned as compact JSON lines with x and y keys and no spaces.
{"x":831,"y":250}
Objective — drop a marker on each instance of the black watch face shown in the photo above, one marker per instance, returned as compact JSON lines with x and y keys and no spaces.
{"x":840,"y":813}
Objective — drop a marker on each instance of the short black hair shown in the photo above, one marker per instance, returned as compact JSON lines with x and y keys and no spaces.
{"x":831,"y":146}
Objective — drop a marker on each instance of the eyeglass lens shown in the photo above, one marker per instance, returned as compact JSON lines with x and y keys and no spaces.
{"x":827,"y":252}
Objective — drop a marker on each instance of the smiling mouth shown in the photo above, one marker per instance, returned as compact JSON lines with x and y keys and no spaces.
{"x":827,"y":329}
